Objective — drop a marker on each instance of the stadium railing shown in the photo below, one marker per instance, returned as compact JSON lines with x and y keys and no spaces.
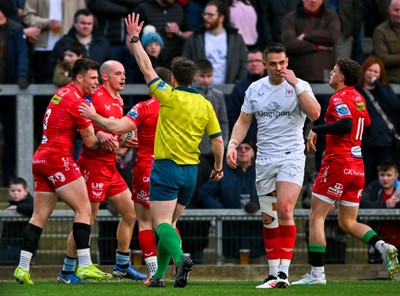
{"x":24,"y":115}
{"x":345,"y":249}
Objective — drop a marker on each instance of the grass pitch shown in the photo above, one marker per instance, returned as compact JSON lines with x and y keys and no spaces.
{"x":199,"y":288}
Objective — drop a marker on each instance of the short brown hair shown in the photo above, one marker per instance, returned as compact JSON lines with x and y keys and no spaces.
{"x":204,"y":66}
{"x":183,"y":70}
{"x":386,"y":165}
{"x":273,"y":47}
{"x":18,"y":181}
{"x":82,"y":65}
{"x":351,"y":71}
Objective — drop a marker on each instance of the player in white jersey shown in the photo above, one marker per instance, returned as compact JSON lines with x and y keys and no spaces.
{"x":280,"y":103}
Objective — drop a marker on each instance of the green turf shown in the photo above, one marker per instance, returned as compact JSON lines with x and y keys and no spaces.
{"x":203,"y":288}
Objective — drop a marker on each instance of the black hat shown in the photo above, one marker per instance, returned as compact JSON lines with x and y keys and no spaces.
{"x":249,"y":142}
{"x":5,"y":7}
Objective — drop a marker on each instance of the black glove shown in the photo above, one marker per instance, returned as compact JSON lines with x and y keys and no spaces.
{"x":251,"y":207}
{"x":23,"y":82}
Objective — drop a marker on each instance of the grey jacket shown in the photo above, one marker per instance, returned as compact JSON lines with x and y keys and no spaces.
{"x":194,"y":49}
{"x":217,"y":100}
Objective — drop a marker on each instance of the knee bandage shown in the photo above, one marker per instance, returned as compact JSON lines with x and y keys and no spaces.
{"x":268,"y":206}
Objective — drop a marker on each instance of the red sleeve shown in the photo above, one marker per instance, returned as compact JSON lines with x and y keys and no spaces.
{"x":81,"y":122}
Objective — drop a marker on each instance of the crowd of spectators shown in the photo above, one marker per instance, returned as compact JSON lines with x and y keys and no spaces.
{"x":37,"y":38}
{"x":177,"y":20}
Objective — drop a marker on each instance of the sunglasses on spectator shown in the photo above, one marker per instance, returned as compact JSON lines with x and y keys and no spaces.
{"x":243,"y":148}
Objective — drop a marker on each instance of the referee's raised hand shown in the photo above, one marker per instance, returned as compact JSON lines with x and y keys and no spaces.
{"x":133,"y":27}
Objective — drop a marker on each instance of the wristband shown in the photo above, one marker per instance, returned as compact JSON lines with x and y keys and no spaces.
{"x":298,"y":89}
{"x":234,"y":143}
{"x":217,"y":171}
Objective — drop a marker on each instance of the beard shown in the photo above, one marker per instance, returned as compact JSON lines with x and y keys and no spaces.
{"x":211,"y":26}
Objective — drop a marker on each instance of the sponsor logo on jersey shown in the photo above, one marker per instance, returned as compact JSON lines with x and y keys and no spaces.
{"x":46,"y":118}
{"x":133,"y":113}
{"x":88,"y":100}
{"x":66,"y":163}
{"x":360,"y":106}
{"x":142,"y":195}
{"x":63,"y":92}
{"x":289,"y":92}
{"x":353,"y":172}
{"x":97,"y":186}
{"x":97,"y":194}
{"x":271,"y":111}
{"x":44,"y":140}
{"x":324,"y":175}
{"x":342,"y":110}
{"x":108,"y":107}
{"x":55,"y":99}
{"x":336,"y":189}
{"x":57,"y":177}
{"x":359,"y":194}
{"x":162,"y":85}
{"x":356,"y":152}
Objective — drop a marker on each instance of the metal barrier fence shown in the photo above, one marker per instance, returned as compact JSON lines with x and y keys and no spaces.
{"x":211,"y":236}
{"x":24,"y":115}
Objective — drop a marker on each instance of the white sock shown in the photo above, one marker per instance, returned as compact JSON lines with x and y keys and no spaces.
{"x":151,"y":263}
{"x":380,"y":246}
{"x":284,"y":267}
{"x":273,"y":267}
{"x":317,"y":271}
{"x":84,"y":259}
{"x":25,"y":260}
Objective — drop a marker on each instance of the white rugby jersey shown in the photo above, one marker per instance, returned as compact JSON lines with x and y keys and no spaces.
{"x":280,"y":119}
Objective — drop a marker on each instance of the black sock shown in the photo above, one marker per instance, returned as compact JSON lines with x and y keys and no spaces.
{"x":81,"y":233}
{"x":31,"y":236}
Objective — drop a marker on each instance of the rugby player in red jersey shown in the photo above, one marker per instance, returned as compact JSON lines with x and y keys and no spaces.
{"x":57,"y":175}
{"x":143,"y":117}
{"x":103,"y":181}
{"x":341,"y":177}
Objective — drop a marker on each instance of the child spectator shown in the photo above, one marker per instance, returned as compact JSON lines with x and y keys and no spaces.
{"x":237,"y":190}
{"x":153,"y":44}
{"x":202,"y":81}
{"x":383,"y":193}
{"x":21,"y":201}
{"x":62,"y":72}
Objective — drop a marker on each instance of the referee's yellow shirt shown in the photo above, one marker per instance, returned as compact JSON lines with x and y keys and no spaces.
{"x":184,"y":117}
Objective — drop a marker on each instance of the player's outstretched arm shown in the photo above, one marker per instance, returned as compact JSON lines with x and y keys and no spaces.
{"x":133,"y":28}
{"x":114,"y":126}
